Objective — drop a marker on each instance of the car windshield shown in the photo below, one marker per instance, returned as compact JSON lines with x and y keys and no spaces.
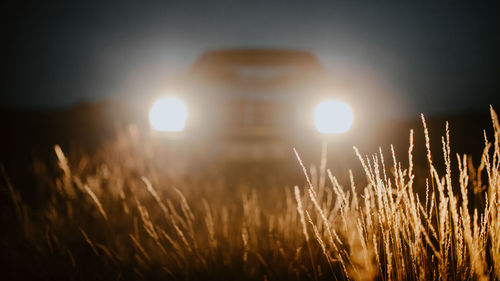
{"x":259,"y":72}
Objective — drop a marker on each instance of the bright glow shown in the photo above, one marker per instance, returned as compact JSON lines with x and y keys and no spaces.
{"x":168,"y":114}
{"x":333,"y":117}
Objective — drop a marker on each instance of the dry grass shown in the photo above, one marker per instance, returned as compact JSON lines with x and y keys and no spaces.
{"x":116,"y":215}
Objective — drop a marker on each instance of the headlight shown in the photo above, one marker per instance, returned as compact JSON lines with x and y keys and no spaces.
{"x":168,"y":114}
{"x":333,"y":117}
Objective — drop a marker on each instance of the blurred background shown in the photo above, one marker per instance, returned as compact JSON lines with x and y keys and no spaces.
{"x":77,"y":71}
{"x":430,"y":57}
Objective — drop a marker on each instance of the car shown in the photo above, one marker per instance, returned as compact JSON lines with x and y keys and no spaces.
{"x":251,"y":104}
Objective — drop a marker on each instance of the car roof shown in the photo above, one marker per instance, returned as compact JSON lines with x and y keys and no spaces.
{"x":257,"y":57}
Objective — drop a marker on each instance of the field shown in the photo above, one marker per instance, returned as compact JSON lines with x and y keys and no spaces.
{"x":125,"y":211}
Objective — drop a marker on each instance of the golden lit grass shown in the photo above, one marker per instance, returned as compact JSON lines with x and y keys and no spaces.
{"x":116,"y":215}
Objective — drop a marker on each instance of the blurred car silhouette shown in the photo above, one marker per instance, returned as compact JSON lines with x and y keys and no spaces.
{"x":251,"y":104}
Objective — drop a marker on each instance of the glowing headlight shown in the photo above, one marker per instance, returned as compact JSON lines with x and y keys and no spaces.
{"x":332,"y":117}
{"x":168,"y":114}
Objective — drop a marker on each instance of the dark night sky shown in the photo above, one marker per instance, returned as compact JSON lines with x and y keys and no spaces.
{"x":434,"y":57}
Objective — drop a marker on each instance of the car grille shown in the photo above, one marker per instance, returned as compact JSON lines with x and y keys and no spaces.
{"x":256,"y":113}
